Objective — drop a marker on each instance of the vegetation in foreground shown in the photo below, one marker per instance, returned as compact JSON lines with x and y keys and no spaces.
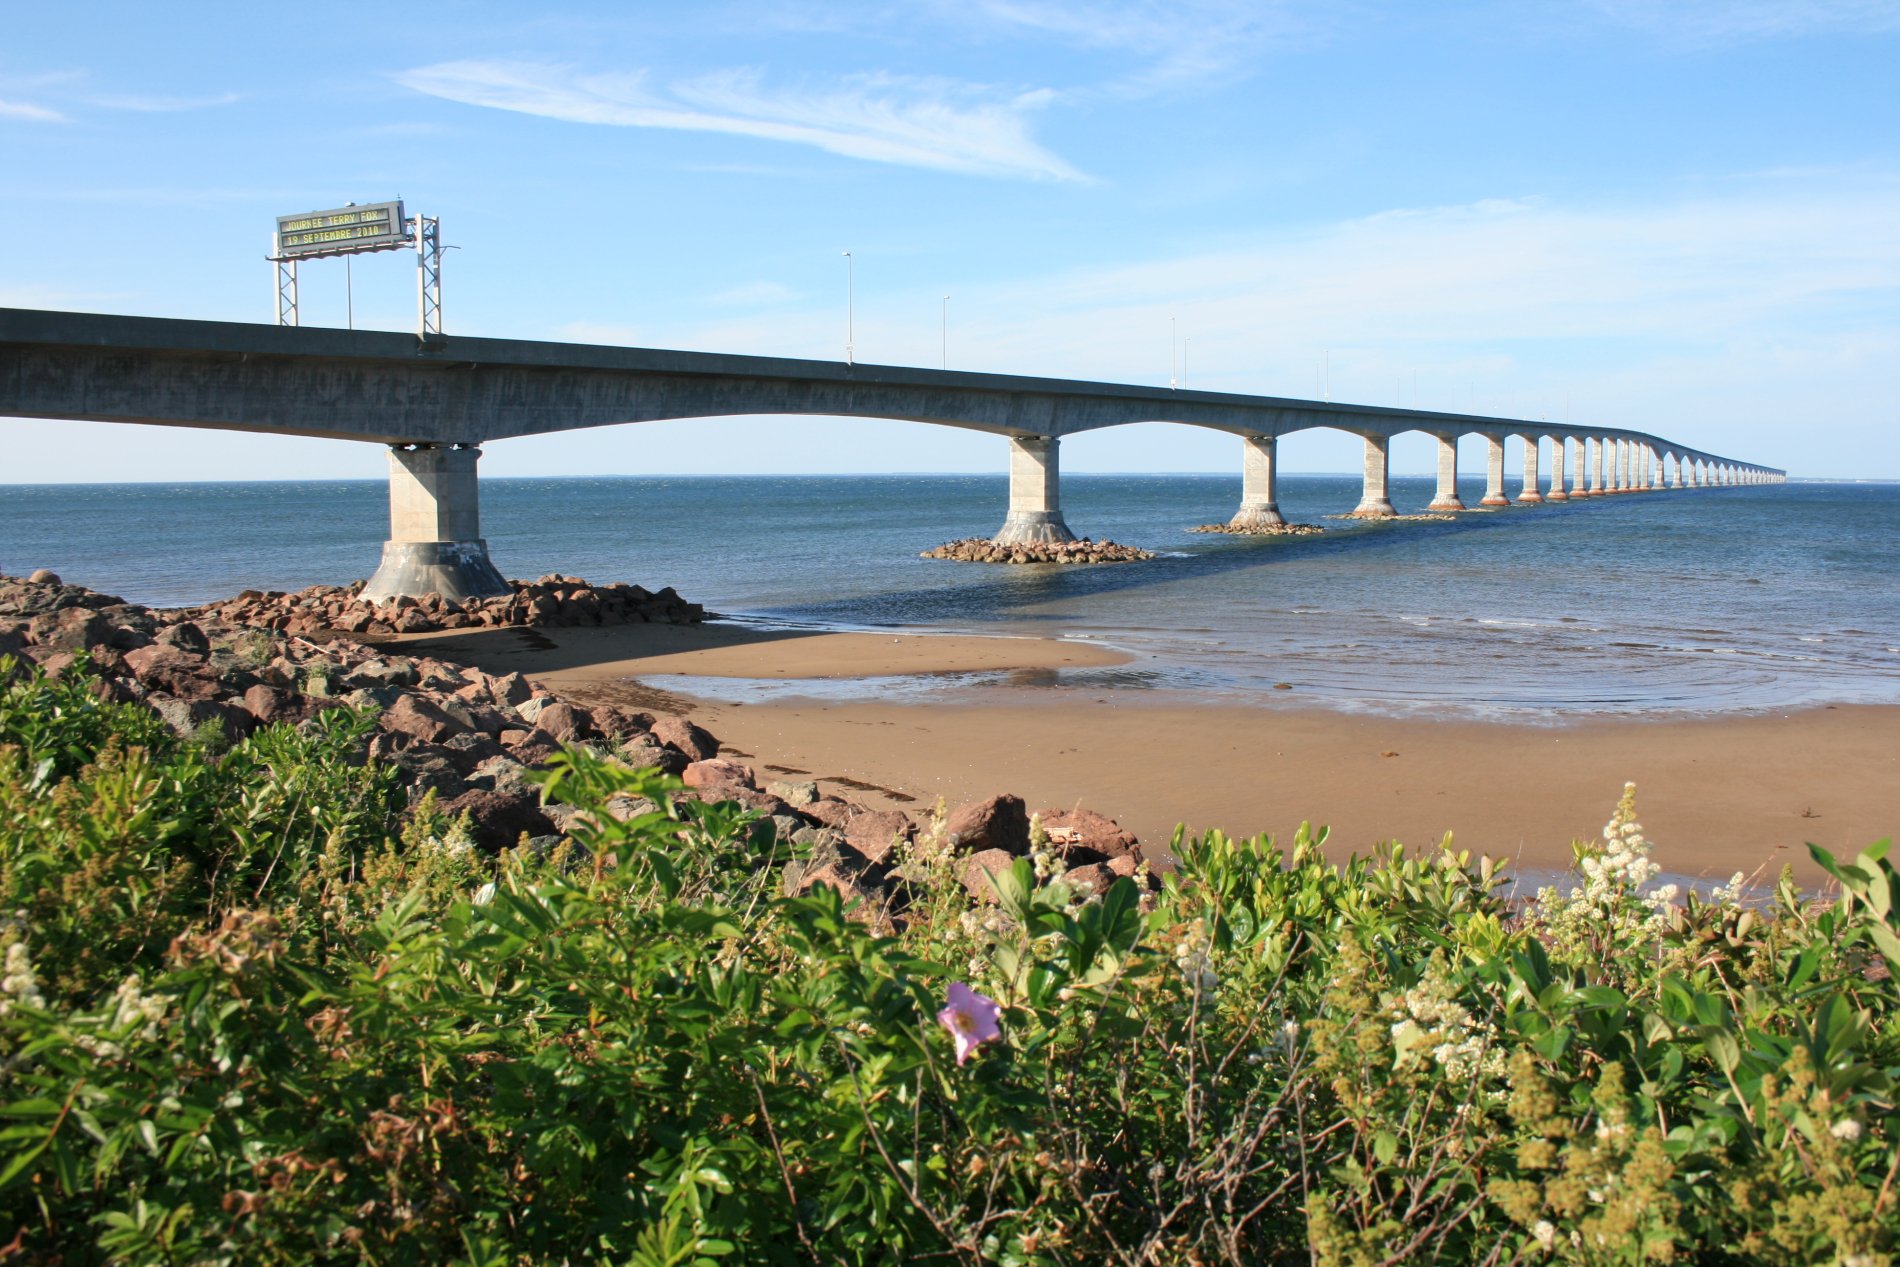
{"x":252,"y":1014}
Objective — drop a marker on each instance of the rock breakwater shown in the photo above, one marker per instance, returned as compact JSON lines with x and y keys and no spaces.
{"x":1261,"y":530}
{"x":465,"y":741}
{"x":983,"y":550}
{"x":553,"y":600}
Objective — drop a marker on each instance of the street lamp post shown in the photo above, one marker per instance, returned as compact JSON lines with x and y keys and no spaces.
{"x":1174,"y":377}
{"x":850,"y":307}
{"x":945,"y":331}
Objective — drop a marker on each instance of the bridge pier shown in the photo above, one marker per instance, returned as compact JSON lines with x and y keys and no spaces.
{"x":1447,"y":497}
{"x":1528,"y":494}
{"x":1375,"y":501}
{"x":1578,"y":488}
{"x":1035,"y":494}
{"x":1556,"y":493}
{"x":435,"y":527}
{"x":1259,"y":489}
{"x":1494,"y":472}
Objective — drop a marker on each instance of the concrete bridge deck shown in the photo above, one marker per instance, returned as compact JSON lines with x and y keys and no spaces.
{"x":435,"y":402}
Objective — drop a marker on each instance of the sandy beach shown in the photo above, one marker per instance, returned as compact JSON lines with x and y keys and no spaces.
{"x":1716,"y":795}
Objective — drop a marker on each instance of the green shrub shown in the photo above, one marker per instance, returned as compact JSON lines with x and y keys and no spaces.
{"x":250,"y":1016}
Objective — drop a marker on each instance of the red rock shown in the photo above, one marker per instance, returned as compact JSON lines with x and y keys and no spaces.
{"x":975,"y":871}
{"x":509,"y":691}
{"x":1124,"y":864}
{"x":679,"y":733}
{"x":1090,"y":830}
{"x":876,"y":834}
{"x":269,"y":705}
{"x":1093,"y":877}
{"x":161,"y":657}
{"x":830,"y":812}
{"x":413,"y":715}
{"x":497,"y":820}
{"x":70,"y":629}
{"x":566,"y":722}
{"x":1000,"y":822}
{"x":715,"y":776}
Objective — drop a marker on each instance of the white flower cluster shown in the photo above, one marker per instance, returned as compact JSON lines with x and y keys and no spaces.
{"x":19,"y":984}
{"x":1045,"y":853}
{"x":1624,"y":865}
{"x":1190,"y":956}
{"x":133,"y":1013}
{"x":1433,"y":1024}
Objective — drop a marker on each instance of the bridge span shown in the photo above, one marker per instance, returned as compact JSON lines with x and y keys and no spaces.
{"x":434,"y":402}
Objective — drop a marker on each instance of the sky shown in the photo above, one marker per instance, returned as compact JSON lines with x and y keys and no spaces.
{"x":1678,"y":216}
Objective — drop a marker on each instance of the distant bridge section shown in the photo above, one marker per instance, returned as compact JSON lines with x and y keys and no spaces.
{"x":435,"y":402}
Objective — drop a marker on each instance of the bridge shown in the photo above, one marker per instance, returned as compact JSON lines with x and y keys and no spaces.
{"x":435,"y":401}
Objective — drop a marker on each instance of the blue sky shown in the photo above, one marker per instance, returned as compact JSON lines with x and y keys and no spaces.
{"x":1680,"y":215}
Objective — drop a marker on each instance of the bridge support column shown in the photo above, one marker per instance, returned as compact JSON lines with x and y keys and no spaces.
{"x":435,"y":527}
{"x":1529,"y":495}
{"x":1556,"y":493}
{"x":1035,"y":493}
{"x":1259,"y":490}
{"x":1578,"y":488}
{"x":1494,"y":472}
{"x":1447,"y":496}
{"x":1656,"y":472}
{"x":1375,"y":502}
{"x":1596,"y":465}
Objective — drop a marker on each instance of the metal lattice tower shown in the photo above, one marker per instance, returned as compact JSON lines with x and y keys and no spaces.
{"x":286,"y":292}
{"x":428,"y":276}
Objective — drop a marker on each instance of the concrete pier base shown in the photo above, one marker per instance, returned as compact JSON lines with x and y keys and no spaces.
{"x":1578,"y":487}
{"x":1035,"y":494}
{"x":1529,"y":494}
{"x":1375,"y":500}
{"x":1556,"y":492}
{"x":435,"y":535}
{"x":1494,"y":472}
{"x":1259,"y":488}
{"x":1446,"y":498}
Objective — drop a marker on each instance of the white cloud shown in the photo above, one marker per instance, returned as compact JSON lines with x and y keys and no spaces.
{"x":1736,"y":21}
{"x":916,"y":122}
{"x":163,"y":105}
{"x":1185,"y":43}
{"x":29,"y":112}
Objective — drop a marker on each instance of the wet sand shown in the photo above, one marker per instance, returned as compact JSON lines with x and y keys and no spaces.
{"x":1715,"y":795}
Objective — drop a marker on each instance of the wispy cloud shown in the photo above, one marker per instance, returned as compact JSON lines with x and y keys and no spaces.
{"x":163,"y":105}
{"x":912,"y":121}
{"x":1741,"y":21}
{"x":29,"y":112}
{"x":1180,"y":43}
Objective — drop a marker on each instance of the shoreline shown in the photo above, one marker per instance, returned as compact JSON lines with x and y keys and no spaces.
{"x":1716,"y":794}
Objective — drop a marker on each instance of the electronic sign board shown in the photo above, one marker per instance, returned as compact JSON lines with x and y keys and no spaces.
{"x":376,"y":226}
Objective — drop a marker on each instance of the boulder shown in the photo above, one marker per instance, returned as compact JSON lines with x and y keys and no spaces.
{"x":645,"y":752}
{"x":497,"y":819}
{"x":413,"y":715}
{"x":717,"y":779}
{"x":185,"y":636}
{"x":1084,"y":829}
{"x":677,"y":732}
{"x":877,"y":833}
{"x":566,"y":723}
{"x":270,"y":705}
{"x":830,"y":811}
{"x":1093,"y":877}
{"x":42,"y":576}
{"x":976,"y":869}
{"x":70,"y":629}
{"x":999,"y":822}
{"x":793,"y":793}
{"x":160,"y":659}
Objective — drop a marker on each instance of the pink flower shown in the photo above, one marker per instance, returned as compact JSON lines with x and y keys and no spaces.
{"x":971,"y":1019}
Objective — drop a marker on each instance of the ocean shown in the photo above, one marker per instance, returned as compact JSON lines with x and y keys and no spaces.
{"x":1680,"y":602}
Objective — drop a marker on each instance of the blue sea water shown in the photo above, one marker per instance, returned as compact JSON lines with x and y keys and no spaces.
{"x":1697,"y":601}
